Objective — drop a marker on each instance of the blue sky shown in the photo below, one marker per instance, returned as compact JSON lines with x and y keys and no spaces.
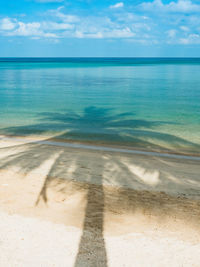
{"x":100,"y":28}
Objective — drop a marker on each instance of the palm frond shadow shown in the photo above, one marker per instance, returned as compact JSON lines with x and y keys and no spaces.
{"x":98,"y":124}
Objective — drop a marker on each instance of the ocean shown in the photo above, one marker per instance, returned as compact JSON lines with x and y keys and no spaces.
{"x":150,"y":104}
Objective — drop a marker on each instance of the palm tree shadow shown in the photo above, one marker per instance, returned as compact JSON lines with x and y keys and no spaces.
{"x":92,"y":249}
{"x":94,"y":123}
{"x":100,"y":125}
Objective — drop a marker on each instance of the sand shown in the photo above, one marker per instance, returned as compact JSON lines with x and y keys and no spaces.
{"x":32,"y":242}
{"x":62,"y":206}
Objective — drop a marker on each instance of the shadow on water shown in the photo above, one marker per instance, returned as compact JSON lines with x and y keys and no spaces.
{"x":95,"y":123}
{"x":100,"y":125}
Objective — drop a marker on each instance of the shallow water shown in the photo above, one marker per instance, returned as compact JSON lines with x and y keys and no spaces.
{"x":152,"y":104}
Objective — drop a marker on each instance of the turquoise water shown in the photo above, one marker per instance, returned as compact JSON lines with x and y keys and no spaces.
{"x":153,"y":104}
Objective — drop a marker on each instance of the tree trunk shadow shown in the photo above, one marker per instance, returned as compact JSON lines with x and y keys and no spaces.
{"x":92,"y":250}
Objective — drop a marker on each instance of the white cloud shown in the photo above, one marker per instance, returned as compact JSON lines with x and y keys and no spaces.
{"x":31,"y":29}
{"x":138,"y":26}
{"x":49,"y":35}
{"x":169,"y":27}
{"x":184,"y":28}
{"x":91,"y":26}
{"x":190,"y":39}
{"x":27,"y":29}
{"x":6,"y":24}
{"x":117,"y":5}
{"x":120,"y":33}
{"x":79,"y":34}
{"x":181,"y":6}
{"x":99,"y":33}
{"x":64,"y":25}
{"x":171,"y":33}
{"x":67,"y":18}
{"x":55,"y":26}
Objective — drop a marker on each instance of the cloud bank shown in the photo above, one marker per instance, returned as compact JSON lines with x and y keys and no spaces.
{"x":146,"y":23}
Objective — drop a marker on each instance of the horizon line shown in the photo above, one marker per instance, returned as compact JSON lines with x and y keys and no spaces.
{"x":100,"y":57}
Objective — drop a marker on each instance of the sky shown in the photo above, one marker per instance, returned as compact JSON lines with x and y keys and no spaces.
{"x":103,"y":28}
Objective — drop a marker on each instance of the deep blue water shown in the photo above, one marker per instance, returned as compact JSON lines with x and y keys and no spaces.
{"x":150,"y":103}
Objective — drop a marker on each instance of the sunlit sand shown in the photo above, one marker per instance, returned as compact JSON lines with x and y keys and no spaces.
{"x":70,"y":206}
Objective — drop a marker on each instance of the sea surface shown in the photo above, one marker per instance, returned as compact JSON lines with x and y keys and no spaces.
{"x":146,"y":103}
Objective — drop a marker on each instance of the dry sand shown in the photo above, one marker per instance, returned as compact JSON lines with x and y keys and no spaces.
{"x":32,"y":242}
{"x":78,"y":207}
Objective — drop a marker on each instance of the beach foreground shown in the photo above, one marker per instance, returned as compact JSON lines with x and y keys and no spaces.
{"x":32,"y":242}
{"x":64,"y":206}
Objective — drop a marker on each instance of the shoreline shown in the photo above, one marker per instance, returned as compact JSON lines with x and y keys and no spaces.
{"x":100,"y":147}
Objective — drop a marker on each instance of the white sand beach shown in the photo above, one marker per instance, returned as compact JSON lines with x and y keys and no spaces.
{"x":62,"y":206}
{"x":32,"y":242}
